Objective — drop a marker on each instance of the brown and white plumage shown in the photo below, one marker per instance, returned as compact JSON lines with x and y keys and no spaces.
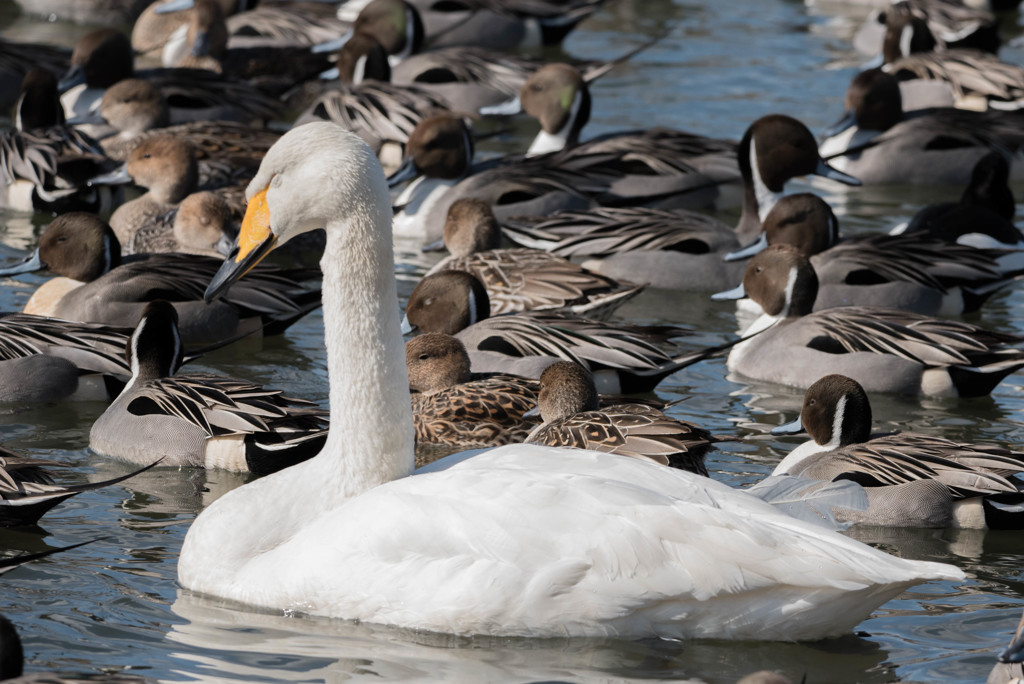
{"x":572,"y":417}
{"x":910,"y":479}
{"x":523,"y":279}
{"x":452,"y":407}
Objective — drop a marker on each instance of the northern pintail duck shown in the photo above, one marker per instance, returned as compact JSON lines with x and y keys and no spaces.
{"x":523,"y":279}
{"x":17,"y":59}
{"x":773,"y":150}
{"x":46,"y":359}
{"x":912,"y":272}
{"x":885,"y":350}
{"x":167,"y":167}
{"x":299,"y":23}
{"x":952,"y":23}
{"x":912,"y":480}
{"x":974,"y":79}
{"x":201,"y":224}
{"x":880,"y":143}
{"x":304,"y":535}
{"x":104,"y":57}
{"x":558,"y":96}
{"x":982,"y":218}
{"x":407,"y":28}
{"x":683,"y":250}
{"x":655,"y":165}
{"x":199,"y":419}
{"x":28,"y":490}
{"x":363,"y":101}
{"x":45,"y":163}
{"x":467,"y":78}
{"x":451,"y":406}
{"x":1009,"y":668}
{"x":97,"y":286}
{"x":625,"y":359}
{"x":225,"y":150}
{"x":572,"y":416}
{"x":272,"y":65}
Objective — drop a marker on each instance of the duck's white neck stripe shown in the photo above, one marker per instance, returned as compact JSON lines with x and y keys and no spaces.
{"x":906,"y":36}
{"x":17,"y":113}
{"x":766,"y":199}
{"x":135,"y":354}
{"x":359,"y":71}
{"x":837,"y":424}
{"x":552,"y":142}
{"x":790,"y":284}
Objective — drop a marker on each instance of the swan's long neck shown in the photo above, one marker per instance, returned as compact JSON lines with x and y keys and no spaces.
{"x":371,"y":437}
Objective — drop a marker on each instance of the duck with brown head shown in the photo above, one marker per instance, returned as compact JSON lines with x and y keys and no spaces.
{"x":569,"y":405}
{"x":911,"y":480}
{"x":880,"y":143}
{"x":886,"y":350}
{"x":522,"y":279}
{"x":97,"y":285}
{"x":624,"y":358}
{"x":450,"y":406}
{"x":913,"y":272}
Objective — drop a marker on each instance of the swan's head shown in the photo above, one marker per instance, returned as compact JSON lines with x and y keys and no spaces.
{"x":314,"y":176}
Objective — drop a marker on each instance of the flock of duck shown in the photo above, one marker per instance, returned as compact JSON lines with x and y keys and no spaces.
{"x":627,"y":535}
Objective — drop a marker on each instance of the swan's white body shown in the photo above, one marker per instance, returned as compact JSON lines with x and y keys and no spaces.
{"x":522,"y":540}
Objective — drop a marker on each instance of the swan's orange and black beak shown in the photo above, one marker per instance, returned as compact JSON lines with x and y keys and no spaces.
{"x":255,"y":241}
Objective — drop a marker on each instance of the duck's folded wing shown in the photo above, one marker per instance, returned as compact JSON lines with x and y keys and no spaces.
{"x":221,"y":405}
{"x":929,"y":341}
{"x":612,"y":230}
{"x":969,"y":72}
{"x":903,"y":458}
{"x":573,"y":339}
{"x":92,"y":347}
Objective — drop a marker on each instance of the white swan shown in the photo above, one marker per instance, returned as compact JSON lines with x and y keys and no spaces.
{"x":521,"y":540}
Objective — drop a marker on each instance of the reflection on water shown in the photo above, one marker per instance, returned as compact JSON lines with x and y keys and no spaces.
{"x":225,"y":642}
{"x":114,"y":604}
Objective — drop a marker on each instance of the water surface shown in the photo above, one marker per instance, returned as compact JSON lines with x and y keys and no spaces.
{"x":114,"y":605}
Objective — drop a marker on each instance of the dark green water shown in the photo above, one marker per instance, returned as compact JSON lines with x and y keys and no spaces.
{"x":115,"y":604}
